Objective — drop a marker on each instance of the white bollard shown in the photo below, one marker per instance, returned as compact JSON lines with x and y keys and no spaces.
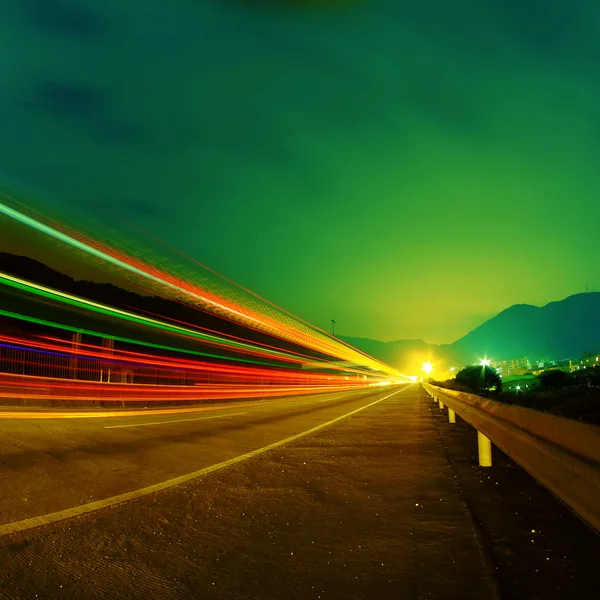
{"x":484,"y":447}
{"x":451,"y":416}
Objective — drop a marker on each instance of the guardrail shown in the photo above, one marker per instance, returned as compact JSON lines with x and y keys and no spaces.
{"x":561,"y":454}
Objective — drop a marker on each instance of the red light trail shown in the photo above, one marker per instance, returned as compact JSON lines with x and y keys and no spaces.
{"x":141,"y":356}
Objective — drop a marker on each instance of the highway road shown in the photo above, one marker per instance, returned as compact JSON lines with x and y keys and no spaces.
{"x":58,"y":460}
{"x":352,"y":498}
{"x":351,"y":495}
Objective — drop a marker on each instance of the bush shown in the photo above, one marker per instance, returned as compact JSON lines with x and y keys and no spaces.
{"x":555,"y":379}
{"x":479,"y":380}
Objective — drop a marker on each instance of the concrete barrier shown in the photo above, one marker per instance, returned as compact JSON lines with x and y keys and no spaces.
{"x":562,"y":454}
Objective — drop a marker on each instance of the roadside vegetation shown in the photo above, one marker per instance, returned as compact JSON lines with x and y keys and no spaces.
{"x":571,"y":395}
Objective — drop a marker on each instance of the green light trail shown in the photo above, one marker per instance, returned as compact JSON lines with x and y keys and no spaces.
{"x":99,"y":334}
{"x":69,"y":299}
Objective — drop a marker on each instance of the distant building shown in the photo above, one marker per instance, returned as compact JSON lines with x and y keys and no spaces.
{"x":544,"y":363}
{"x":590,"y":359}
{"x":562,"y":365}
{"x":513,"y":366}
{"x":587,"y":360}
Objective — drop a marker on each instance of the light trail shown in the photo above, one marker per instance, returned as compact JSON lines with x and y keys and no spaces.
{"x":49,"y":389}
{"x":300,"y":334}
{"x":191,"y":368}
{"x":27,"y":286}
{"x":161,"y":358}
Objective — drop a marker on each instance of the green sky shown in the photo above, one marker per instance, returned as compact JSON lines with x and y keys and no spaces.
{"x":407,"y":169}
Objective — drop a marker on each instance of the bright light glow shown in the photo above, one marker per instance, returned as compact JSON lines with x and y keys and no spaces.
{"x":485,"y":362}
{"x":427,"y":367}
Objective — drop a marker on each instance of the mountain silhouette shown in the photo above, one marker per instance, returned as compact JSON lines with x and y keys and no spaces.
{"x":558,"y":330}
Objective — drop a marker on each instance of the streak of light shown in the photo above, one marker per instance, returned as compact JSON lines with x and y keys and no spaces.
{"x":271,"y":320}
{"x":208,"y":365}
{"x":127,"y":358}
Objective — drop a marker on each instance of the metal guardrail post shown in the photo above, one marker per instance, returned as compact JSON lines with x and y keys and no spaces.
{"x":484,"y":447}
{"x":451,"y":416}
{"x":441,"y":404}
{"x":562,"y":454}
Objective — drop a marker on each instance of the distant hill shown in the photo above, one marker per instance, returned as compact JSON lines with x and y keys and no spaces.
{"x":558,"y":330}
{"x":28,"y":268}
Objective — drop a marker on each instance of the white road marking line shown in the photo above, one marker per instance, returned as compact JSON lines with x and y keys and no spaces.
{"x":358,"y":397}
{"x":77,"y":511}
{"x":197,"y":418}
{"x":177,"y":421}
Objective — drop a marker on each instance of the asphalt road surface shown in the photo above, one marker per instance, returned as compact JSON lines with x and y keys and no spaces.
{"x":344,"y":495}
{"x":51,"y":461}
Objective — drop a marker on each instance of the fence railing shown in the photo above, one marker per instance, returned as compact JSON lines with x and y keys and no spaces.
{"x":43,"y":369}
{"x":561,"y":454}
{"x":95,"y":363}
{"x":37,"y":363}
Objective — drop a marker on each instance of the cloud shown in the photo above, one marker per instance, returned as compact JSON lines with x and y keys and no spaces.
{"x":549,"y":29}
{"x":87,"y":108}
{"x":67,"y":17}
{"x":64,"y":99}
